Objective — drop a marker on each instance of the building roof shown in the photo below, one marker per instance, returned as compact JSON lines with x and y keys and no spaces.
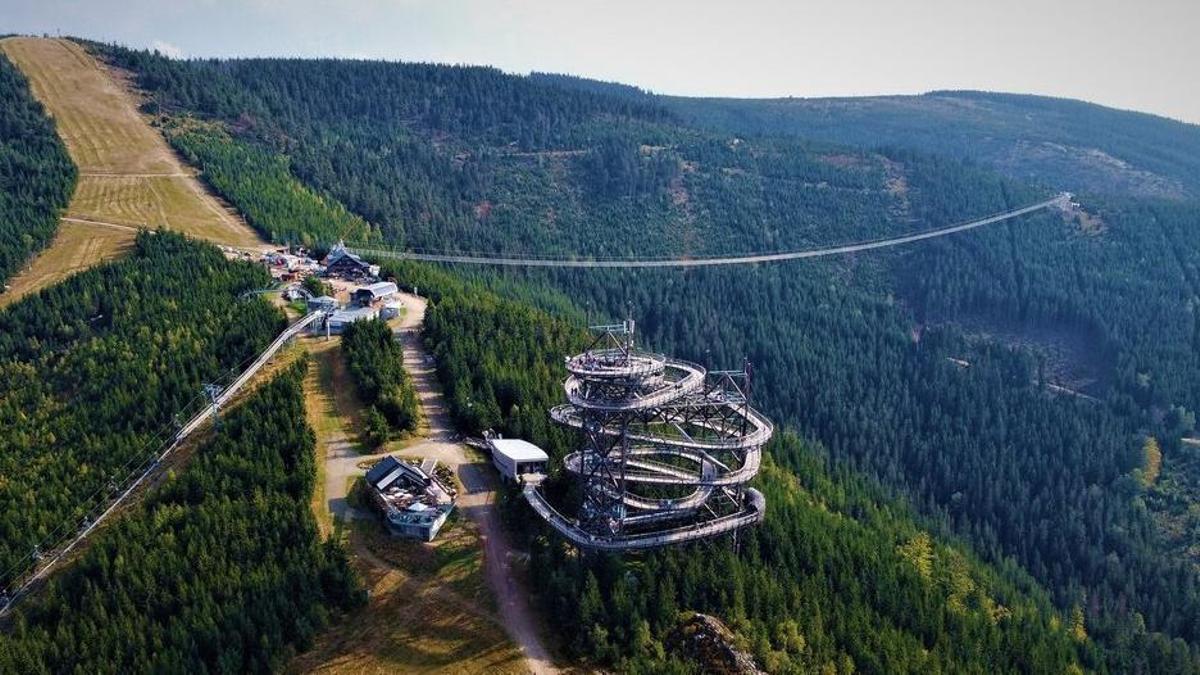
{"x":382,"y":469}
{"x":338,"y":253}
{"x":351,"y":315}
{"x":378,"y":290}
{"x":387,"y":470}
{"x":519,"y":450}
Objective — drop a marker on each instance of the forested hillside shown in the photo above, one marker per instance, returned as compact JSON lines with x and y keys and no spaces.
{"x":1003,"y":381}
{"x":838,"y":578}
{"x":95,"y":371}
{"x":36,"y":175}
{"x":221,"y":569}
{"x":273,"y":201}
{"x":375,"y":361}
{"x":442,"y":158}
{"x":1069,"y":144}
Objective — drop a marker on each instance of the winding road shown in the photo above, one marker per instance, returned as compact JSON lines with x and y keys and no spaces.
{"x":477,"y":499}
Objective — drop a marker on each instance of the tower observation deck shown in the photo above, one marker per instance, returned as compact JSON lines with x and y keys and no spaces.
{"x":667,"y":448}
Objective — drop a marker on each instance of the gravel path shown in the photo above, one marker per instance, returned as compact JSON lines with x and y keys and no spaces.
{"x":477,"y":477}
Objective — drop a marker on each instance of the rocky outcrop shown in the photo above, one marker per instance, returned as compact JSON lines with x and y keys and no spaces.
{"x":706,"y":641}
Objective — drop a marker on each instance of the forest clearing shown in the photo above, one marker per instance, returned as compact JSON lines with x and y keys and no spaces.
{"x":429,"y":609}
{"x":128,"y":175}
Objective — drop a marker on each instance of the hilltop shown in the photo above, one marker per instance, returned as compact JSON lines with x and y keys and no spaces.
{"x":128,"y":177}
{"x":1061,"y":142}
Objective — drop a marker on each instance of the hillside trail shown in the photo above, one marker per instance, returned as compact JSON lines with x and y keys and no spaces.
{"x":477,"y":501}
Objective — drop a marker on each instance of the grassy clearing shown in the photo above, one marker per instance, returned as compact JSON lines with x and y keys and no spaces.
{"x":341,"y":409}
{"x":453,"y":560}
{"x":128,"y":174}
{"x":408,"y":628}
{"x":169,"y":202}
{"x":96,"y":117}
{"x":75,"y":247}
{"x":332,"y":416}
{"x":430,"y":610}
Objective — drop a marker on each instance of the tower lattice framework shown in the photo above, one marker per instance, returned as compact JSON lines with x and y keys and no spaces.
{"x":667,"y":447}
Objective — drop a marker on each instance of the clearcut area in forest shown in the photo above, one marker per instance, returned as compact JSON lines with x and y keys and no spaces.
{"x":128,"y":175}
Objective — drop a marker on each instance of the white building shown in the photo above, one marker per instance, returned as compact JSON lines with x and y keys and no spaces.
{"x":372,"y":293}
{"x":390,"y":310}
{"x":341,"y":318}
{"x":514,"y":457}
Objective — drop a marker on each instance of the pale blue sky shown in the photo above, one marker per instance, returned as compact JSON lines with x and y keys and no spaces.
{"x":1141,"y":55}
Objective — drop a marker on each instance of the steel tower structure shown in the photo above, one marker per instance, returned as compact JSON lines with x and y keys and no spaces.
{"x":667,"y":450}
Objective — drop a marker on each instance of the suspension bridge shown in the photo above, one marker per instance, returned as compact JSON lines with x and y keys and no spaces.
{"x":1061,"y":201}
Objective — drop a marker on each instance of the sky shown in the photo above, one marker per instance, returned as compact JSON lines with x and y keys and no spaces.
{"x":1134,"y":54}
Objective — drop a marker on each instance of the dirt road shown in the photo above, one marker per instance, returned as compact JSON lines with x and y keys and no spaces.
{"x":477,"y":477}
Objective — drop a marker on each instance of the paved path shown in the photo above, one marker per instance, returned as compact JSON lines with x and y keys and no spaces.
{"x":477,"y":477}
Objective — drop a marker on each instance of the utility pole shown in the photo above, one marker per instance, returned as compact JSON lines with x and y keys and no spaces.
{"x":213,"y":391}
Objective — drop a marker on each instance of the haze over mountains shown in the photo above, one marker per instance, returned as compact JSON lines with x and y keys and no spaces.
{"x":1064,"y":143}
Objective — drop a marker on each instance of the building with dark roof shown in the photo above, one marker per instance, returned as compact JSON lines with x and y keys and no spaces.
{"x":413,"y":502}
{"x":343,"y":263}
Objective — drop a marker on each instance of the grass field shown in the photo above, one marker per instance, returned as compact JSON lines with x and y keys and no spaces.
{"x":128,"y":175}
{"x":170,"y":202}
{"x":430,"y":610}
{"x":409,"y":627}
{"x":325,"y":416}
{"x":75,"y":247}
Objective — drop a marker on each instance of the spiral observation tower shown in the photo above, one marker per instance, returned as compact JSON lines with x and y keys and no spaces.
{"x":667,"y":449}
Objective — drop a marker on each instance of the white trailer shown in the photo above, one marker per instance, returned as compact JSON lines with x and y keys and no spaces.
{"x":515,"y":458}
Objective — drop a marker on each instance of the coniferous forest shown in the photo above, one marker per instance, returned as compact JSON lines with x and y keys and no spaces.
{"x":220,"y":569}
{"x":98,"y":371}
{"x":273,"y":201}
{"x":969,"y":482}
{"x":840,"y":577}
{"x":375,"y":361}
{"x":36,"y":175}
{"x":1003,"y":382}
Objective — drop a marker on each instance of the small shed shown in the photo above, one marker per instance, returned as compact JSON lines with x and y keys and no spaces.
{"x":514,"y":457}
